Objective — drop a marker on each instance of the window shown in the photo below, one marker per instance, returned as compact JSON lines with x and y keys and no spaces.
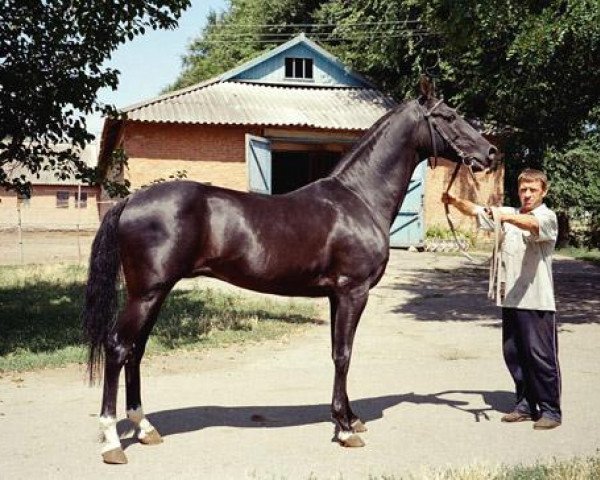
{"x":299,"y":68}
{"x":81,"y":202}
{"x":62,"y":199}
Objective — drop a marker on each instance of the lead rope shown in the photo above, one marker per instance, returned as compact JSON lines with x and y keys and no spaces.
{"x":460,"y":246}
{"x":495,"y":278}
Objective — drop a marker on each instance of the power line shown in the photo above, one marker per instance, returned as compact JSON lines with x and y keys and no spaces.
{"x":314,"y":35}
{"x":323,"y":40}
{"x":310,"y":25}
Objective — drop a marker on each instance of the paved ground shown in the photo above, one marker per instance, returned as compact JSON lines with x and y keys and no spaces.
{"x":427,"y":376}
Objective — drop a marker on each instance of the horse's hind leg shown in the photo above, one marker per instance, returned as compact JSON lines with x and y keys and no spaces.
{"x":346,"y":312}
{"x":139,"y":314}
{"x":147,"y":433}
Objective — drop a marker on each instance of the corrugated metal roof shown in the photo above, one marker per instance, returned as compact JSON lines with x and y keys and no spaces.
{"x":237,"y":103}
{"x":47,"y":174}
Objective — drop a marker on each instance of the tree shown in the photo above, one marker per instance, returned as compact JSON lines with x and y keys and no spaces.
{"x":248,"y":28}
{"x":51,"y":68}
{"x":575,"y":186}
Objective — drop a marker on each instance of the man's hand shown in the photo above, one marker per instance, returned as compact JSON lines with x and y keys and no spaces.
{"x":448,"y":198}
{"x":465,"y":206}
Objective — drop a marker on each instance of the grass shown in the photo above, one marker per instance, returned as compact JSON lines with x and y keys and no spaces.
{"x":577,"y":468}
{"x":592,"y":255}
{"x":40,"y":327}
{"x":587,"y":468}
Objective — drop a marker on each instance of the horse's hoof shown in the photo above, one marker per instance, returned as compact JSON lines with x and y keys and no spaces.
{"x":359,"y":427}
{"x":151,"y":438}
{"x":352,"y":441}
{"x":116,"y":456}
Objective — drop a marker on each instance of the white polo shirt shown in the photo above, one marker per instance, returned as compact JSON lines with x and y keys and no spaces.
{"x":526,"y":260}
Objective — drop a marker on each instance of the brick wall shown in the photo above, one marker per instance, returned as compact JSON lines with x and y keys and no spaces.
{"x":488,"y":190}
{"x":41,"y":210}
{"x":213,"y":154}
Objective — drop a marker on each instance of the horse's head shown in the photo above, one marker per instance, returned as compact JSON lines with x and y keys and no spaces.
{"x":445,"y":133}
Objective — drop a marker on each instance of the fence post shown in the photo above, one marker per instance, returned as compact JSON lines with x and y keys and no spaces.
{"x":78,"y":205}
{"x":20,"y":230}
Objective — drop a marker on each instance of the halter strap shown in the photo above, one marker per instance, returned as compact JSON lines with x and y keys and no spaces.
{"x":430,"y":123}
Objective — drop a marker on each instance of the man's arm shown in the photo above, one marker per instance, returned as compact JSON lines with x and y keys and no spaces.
{"x":522,"y":221}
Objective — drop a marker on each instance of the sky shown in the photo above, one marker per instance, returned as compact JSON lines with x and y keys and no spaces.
{"x":152,"y":61}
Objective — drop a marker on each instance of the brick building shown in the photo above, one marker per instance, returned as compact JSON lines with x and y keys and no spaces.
{"x":53,"y":204}
{"x":271,"y":125}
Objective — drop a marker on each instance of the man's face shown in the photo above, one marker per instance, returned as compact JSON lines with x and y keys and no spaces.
{"x":531,"y":195}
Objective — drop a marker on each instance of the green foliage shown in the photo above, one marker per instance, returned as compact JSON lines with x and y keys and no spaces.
{"x":178,"y":175}
{"x":115,"y":185}
{"x":51,"y":68}
{"x":585,"y":254}
{"x":574,"y":172}
{"x":436,"y":232}
{"x":246,"y":29}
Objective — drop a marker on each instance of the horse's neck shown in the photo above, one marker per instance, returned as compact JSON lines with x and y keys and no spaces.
{"x":380,"y":172}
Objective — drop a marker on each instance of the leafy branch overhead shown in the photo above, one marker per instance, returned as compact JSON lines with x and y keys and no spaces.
{"x":52,"y":57}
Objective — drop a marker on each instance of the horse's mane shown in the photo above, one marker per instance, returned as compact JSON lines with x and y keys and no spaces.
{"x":366,"y":142}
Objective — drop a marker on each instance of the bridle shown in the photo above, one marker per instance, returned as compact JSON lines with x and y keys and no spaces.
{"x":428,"y":114}
{"x":464,"y":160}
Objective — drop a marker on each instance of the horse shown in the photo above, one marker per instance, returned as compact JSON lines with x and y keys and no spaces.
{"x":329,"y":238}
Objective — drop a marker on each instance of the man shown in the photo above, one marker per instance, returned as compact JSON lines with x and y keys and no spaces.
{"x":529,"y":333}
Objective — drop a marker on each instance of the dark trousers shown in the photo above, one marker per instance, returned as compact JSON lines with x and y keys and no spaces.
{"x":530,"y":345}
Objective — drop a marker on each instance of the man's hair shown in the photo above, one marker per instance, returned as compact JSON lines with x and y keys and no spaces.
{"x":531,"y":175}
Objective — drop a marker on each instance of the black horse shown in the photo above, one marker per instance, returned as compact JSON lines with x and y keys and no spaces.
{"x":327,"y":239}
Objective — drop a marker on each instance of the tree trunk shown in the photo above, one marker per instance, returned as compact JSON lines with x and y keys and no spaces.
{"x":564,"y":229}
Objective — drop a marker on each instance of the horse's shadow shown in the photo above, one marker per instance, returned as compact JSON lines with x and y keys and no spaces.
{"x":190,"y":419}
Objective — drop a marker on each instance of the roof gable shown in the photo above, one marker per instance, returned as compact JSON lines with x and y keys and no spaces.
{"x":270,"y":67}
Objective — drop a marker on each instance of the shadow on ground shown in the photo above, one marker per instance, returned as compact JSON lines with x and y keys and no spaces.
{"x":190,"y":419}
{"x":439,"y":294}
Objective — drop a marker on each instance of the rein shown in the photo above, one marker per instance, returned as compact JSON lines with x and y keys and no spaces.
{"x":464,"y":161}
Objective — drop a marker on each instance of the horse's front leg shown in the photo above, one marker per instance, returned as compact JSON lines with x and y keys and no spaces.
{"x":346,"y":309}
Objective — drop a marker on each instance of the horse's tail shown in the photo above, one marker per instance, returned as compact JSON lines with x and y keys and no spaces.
{"x":101,"y":299}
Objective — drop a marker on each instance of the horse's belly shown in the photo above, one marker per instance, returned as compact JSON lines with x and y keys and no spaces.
{"x":293,"y":282}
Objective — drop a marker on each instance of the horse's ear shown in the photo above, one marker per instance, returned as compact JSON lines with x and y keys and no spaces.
{"x":426,"y":87}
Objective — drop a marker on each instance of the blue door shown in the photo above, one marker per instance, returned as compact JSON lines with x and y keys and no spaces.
{"x":258,"y":160}
{"x":408,"y":229}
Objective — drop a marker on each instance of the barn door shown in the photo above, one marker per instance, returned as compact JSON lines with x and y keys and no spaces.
{"x":258,"y":159}
{"x":408,"y":228}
